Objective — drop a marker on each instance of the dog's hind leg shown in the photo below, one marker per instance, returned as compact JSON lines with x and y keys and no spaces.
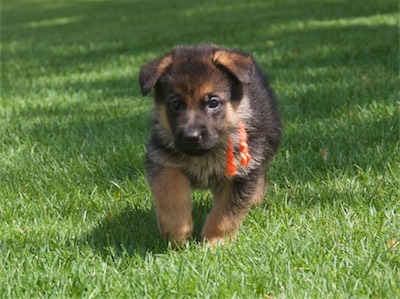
{"x":259,"y":192}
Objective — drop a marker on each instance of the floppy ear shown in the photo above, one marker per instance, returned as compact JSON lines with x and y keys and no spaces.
{"x":152,"y":71}
{"x":239,"y":64}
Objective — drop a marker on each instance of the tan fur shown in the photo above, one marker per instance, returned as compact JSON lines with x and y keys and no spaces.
{"x":222,"y":222}
{"x":231,"y":117}
{"x":236,"y":113}
{"x":163,"y":65}
{"x":196,"y":93}
{"x":208,"y":87}
{"x":259,"y":192}
{"x":173,"y":205}
{"x":238,"y":64}
{"x":162,"y":116}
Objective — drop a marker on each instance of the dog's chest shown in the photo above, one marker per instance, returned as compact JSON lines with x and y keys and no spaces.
{"x":204,"y":171}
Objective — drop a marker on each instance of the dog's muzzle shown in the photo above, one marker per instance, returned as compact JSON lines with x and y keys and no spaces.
{"x":192,"y":141}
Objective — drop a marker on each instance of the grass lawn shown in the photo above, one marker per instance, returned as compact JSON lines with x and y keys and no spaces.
{"x":76,"y":215}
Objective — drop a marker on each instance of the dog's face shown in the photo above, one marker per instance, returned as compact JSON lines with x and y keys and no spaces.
{"x":197,"y":92}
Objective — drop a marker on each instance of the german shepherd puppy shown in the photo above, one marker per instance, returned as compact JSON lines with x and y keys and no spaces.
{"x":215,"y":125}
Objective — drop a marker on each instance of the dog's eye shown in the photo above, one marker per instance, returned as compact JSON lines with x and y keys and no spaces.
{"x":175,"y":105}
{"x":213,"y":102}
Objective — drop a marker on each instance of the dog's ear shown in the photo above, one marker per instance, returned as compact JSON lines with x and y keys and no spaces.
{"x":238,"y":64}
{"x":152,"y":71}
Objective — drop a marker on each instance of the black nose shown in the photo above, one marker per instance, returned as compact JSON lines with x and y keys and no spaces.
{"x":190,"y":135}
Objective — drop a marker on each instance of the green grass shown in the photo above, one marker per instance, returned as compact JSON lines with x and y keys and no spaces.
{"x":76,"y":215}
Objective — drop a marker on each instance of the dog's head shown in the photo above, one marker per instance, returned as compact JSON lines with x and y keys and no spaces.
{"x":197,"y":93}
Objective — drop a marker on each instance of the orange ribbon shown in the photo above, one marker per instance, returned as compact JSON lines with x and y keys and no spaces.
{"x":231,"y":168}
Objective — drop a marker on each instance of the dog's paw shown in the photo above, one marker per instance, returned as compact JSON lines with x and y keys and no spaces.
{"x":177,"y":237}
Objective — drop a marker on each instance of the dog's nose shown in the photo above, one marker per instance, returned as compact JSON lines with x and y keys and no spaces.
{"x":191,"y":135}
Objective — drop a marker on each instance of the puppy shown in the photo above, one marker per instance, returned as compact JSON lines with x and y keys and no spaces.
{"x":215,"y":126}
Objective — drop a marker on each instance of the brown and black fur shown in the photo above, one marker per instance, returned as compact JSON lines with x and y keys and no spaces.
{"x":202,"y":93}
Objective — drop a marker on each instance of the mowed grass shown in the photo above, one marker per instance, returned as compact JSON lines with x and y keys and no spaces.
{"x":76,"y":215}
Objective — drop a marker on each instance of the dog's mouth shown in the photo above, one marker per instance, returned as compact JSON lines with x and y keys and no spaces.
{"x":195,"y":152}
{"x":192,"y":148}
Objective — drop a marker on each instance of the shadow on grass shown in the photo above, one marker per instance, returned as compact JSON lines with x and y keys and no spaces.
{"x":134,"y":232}
{"x":111,"y":137}
{"x":107,"y":30}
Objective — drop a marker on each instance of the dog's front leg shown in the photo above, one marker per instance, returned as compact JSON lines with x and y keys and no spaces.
{"x":230,"y":207}
{"x":172,"y":192}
